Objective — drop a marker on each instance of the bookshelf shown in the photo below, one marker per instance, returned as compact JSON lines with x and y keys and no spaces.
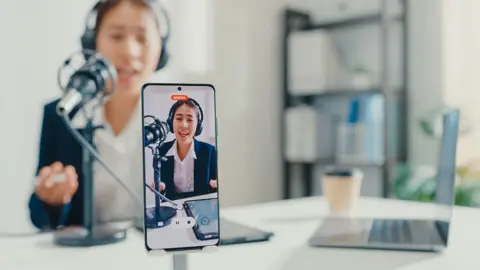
{"x":394,"y":127}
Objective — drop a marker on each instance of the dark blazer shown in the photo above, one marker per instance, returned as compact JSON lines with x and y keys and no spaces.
{"x":205,"y":169}
{"x":57,"y":144}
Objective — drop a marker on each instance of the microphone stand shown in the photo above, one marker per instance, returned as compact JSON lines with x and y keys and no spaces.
{"x":162,"y":214}
{"x":90,"y":234}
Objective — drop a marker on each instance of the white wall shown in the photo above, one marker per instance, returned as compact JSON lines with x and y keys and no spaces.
{"x":426,"y":66}
{"x":462,"y":62}
{"x":36,"y":37}
{"x":246,"y":75}
{"x":444,"y":71}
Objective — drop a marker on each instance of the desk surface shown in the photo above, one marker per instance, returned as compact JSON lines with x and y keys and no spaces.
{"x":293,"y":222}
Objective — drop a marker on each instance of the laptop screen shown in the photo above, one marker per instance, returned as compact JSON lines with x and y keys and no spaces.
{"x":445,"y":184}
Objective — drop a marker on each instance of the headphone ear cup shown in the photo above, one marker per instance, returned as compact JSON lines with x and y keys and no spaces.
{"x":88,"y":40}
{"x":164,"y":56}
{"x":199,"y":129}
{"x":170,"y":123}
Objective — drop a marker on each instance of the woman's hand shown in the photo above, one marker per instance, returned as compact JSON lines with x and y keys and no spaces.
{"x":213,"y":183}
{"x":56,"y":184}
{"x":162,"y":186}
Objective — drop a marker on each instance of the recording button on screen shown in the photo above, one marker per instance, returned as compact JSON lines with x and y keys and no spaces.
{"x":179,"y":97}
{"x":190,"y":222}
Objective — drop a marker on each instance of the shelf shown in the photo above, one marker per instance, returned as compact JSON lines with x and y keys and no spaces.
{"x":310,"y":98}
{"x":333,"y":162}
{"x":363,"y":19}
{"x":327,"y":99}
{"x":339,"y":92}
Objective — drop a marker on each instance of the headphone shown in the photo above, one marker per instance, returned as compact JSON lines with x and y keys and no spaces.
{"x":174,"y":108}
{"x":89,"y":35}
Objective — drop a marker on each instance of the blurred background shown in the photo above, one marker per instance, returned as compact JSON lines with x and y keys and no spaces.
{"x":301,"y":85}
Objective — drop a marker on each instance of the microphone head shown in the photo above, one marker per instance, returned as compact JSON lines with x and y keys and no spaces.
{"x":155,"y":131}
{"x":85,"y":75}
{"x":104,"y":72}
{"x":88,"y":61}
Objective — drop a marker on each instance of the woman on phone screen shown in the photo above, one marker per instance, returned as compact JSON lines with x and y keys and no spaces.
{"x":190,"y":168}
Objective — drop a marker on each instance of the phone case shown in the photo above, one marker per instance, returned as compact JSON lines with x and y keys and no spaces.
{"x":161,"y":125}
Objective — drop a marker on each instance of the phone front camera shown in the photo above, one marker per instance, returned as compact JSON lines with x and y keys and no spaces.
{"x":179,"y":88}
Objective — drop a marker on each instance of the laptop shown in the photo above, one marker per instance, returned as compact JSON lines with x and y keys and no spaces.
{"x":232,"y":233}
{"x":410,"y":234}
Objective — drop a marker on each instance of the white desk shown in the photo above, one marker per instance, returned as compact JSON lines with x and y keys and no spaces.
{"x":292,"y":221}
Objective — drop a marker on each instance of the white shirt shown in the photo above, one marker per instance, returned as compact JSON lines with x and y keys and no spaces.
{"x":183,"y":169}
{"x":123,"y":155}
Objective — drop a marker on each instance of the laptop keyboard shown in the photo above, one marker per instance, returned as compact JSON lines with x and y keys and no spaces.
{"x":391,"y":231}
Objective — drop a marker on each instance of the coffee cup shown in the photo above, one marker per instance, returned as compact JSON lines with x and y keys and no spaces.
{"x":342,"y":189}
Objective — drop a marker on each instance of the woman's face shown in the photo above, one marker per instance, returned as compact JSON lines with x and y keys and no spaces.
{"x":185,"y":123}
{"x":128,"y":37}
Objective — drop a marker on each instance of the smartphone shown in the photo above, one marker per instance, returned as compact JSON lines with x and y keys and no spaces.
{"x":204,"y":212}
{"x":180,"y":171}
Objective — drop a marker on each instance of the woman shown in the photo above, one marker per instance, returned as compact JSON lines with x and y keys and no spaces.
{"x":127,"y":33}
{"x":190,"y":168}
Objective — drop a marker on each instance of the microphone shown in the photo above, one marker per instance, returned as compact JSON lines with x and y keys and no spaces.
{"x":86,"y":83}
{"x":155,"y":132}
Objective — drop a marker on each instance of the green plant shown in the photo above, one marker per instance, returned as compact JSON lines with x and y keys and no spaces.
{"x":412,"y":185}
{"x":418,"y":183}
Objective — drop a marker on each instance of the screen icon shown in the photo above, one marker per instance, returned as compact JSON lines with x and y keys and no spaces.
{"x":176,"y":222}
{"x":189,"y":222}
{"x":179,"y":97}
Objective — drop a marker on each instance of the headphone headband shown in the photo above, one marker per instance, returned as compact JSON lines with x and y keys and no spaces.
{"x":198,"y":107}
{"x":175,"y":106}
{"x":159,"y":11}
{"x":161,"y":16}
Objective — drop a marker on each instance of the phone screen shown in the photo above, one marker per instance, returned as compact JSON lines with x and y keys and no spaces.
{"x":205,"y":214}
{"x":180,"y":166}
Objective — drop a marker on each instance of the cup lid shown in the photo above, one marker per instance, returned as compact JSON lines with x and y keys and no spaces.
{"x":343,"y":172}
